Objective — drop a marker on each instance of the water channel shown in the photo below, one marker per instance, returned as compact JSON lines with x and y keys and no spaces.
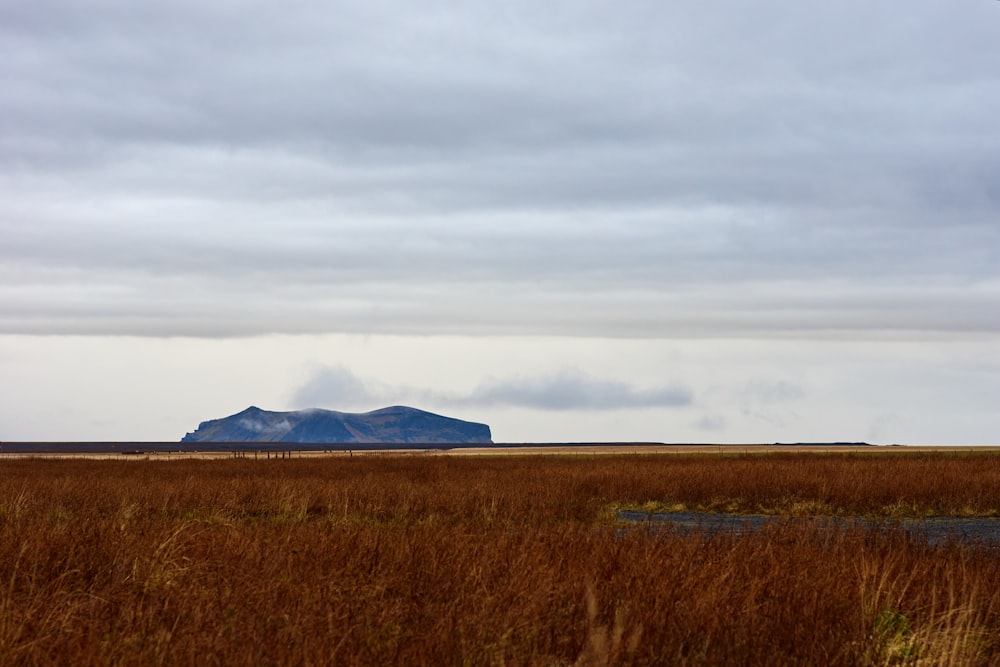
{"x":936,"y":530}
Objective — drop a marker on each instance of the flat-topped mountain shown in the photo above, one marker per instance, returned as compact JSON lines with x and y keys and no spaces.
{"x":395,"y":424}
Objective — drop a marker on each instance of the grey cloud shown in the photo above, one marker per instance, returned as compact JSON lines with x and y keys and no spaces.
{"x":387,"y":85}
{"x":661,"y":169}
{"x":773,"y":401}
{"x":177,"y":306}
{"x":711,"y":422}
{"x":773,"y":391}
{"x":337,"y":388}
{"x":571,"y":390}
{"x":565,"y":390}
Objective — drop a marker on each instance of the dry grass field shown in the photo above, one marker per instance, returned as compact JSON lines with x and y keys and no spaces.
{"x":506,"y":560}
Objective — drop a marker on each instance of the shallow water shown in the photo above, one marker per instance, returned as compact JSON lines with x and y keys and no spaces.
{"x":933,"y":529}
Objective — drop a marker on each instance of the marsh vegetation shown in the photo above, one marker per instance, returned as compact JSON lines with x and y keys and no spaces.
{"x":512,"y":560}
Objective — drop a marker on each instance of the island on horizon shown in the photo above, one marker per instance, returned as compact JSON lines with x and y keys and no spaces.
{"x":394,"y":424}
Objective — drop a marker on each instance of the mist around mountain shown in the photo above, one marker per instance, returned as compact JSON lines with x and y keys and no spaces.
{"x":396,"y":424}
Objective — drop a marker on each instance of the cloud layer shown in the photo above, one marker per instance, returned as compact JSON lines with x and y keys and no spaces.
{"x":580,"y":168}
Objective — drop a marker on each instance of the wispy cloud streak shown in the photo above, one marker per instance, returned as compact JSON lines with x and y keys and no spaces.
{"x":560,"y":391}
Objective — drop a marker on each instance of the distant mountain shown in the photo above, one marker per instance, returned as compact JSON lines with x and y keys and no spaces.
{"x":397,"y":424}
{"x":825,"y":444}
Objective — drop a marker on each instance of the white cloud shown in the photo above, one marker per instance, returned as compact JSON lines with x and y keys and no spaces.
{"x":252,"y":424}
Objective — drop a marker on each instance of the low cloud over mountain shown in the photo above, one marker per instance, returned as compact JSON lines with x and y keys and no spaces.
{"x":564,"y":389}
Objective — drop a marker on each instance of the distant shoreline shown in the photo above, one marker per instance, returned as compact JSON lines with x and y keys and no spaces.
{"x":280,"y":449}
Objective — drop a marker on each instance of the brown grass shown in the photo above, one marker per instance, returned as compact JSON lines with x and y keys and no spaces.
{"x":513,"y":560}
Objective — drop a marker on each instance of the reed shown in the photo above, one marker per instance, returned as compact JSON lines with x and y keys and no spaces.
{"x":515,"y":561}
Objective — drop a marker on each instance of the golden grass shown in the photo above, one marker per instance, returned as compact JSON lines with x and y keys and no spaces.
{"x":509,"y":560}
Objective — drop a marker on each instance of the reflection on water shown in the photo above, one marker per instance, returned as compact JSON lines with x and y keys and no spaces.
{"x":933,"y":529}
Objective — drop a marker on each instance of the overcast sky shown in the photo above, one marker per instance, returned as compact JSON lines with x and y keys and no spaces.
{"x":680,"y":221}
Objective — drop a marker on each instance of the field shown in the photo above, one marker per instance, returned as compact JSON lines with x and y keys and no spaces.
{"x":491,"y":560}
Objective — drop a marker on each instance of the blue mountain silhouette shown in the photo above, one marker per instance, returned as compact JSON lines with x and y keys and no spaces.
{"x":396,"y":424}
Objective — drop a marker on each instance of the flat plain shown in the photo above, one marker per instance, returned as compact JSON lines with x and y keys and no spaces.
{"x":511,"y":559}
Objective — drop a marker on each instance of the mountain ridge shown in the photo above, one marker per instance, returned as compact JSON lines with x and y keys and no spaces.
{"x":393,"y":424}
